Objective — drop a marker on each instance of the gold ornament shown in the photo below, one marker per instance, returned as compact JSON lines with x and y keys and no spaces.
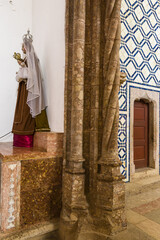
{"x":17,"y":56}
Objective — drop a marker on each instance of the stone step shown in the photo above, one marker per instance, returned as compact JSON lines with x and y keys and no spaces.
{"x":138,"y":186}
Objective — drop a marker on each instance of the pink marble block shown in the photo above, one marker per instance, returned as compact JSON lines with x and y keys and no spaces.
{"x":10,"y":195}
{"x":49,"y":142}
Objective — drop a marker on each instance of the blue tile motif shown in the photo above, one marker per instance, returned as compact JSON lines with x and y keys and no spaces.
{"x":122,"y":97}
{"x":140,"y":41}
{"x":139,"y":59}
{"x":122,"y":142}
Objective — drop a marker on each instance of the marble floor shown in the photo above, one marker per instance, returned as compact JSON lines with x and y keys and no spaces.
{"x":142,"y":210}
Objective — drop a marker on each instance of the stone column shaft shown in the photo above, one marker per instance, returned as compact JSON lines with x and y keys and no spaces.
{"x":75,"y":161}
{"x":93,"y":69}
{"x":95,"y":84}
{"x":74,"y":202}
{"x":110,"y":187}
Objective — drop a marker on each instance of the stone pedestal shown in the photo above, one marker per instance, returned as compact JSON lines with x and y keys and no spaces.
{"x":110,"y":205}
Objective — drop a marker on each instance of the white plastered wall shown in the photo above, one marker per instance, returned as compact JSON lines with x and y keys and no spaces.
{"x":13,"y":24}
{"x":46,"y":20}
{"x":49,"y":43}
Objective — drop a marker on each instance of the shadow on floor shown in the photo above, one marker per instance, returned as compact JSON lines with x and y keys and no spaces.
{"x":48,"y":236}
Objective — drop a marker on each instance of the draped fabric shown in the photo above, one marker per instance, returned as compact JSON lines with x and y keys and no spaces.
{"x":23,"y":140}
{"x":35,"y":99}
{"x":23,"y":123}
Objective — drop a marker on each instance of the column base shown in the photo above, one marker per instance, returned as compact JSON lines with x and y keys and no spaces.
{"x":75,"y":207}
{"x":110,"y":222}
{"x":70,"y":226}
{"x":110,"y":216}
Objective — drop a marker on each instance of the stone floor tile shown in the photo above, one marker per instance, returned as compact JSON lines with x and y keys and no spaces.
{"x":132,"y":233}
{"x":151,"y":228}
{"x":142,"y":198}
{"x":134,"y":217}
{"x":154,"y":215}
{"x":147,"y":207}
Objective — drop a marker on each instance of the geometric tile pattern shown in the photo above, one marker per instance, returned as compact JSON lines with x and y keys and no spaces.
{"x":122,"y":142}
{"x":140,"y":41}
{"x":122,"y":97}
{"x":139,"y":58}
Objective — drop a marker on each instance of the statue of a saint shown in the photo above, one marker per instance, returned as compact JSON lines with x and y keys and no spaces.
{"x":30,"y":113}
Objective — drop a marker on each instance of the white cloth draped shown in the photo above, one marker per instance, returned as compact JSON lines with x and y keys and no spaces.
{"x":35,"y":98}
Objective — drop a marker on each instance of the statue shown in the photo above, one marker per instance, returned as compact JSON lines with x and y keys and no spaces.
{"x":30,"y":112}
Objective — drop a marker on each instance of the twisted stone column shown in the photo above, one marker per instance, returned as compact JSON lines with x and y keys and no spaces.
{"x":110,"y":187}
{"x":111,"y":75}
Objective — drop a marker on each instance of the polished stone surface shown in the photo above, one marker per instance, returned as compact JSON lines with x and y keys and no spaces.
{"x":7,"y":149}
{"x":49,"y":142}
{"x":31,"y":186}
{"x":142,"y":225}
{"x":143,"y":206}
{"x":8,"y":153}
{"x":41,"y":190}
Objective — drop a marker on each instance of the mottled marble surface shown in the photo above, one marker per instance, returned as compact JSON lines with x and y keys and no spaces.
{"x":49,"y":142}
{"x":7,"y":149}
{"x":9,"y":153}
{"x":40,"y":190}
{"x":31,"y":186}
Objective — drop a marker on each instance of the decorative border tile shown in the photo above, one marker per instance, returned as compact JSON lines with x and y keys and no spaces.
{"x":122,"y":142}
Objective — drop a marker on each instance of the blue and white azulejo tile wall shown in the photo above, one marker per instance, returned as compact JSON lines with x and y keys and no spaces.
{"x":140,"y":60}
